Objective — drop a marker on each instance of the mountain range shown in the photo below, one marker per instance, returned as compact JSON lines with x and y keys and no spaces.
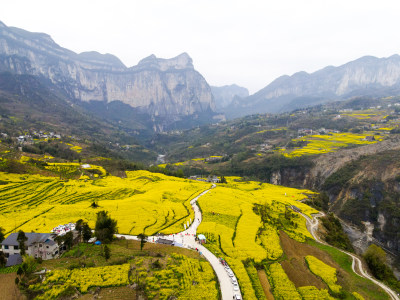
{"x":366,"y":76}
{"x":163,"y":94}
{"x":164,"y":89}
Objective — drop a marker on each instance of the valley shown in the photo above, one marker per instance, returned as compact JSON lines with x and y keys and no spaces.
{"x":146,"y":182}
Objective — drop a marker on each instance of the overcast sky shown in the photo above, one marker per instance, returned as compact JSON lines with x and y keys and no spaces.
{"x":249,"y":42}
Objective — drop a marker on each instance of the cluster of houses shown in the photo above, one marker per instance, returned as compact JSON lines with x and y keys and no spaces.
{"x":38,"y":245}
{"x":63,"y":229}
{"x":28,"y":138}
{"x":211,"y":178}
{"x":307,"y":131}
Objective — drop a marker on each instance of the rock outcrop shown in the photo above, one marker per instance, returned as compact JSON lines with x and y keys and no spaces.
{"x":224,"y":95}
{"x":365,"y":76}
{"x":159,"y":87}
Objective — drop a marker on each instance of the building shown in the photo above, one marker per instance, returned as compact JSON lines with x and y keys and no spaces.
{"x":202,"y":238}
{"x":13,"y":260}
{"x":369,"y":138}
{"x":295,"y":208}
{"x":213,"y":179}
{"x":165,"y":241}
{"x":38,"y":245}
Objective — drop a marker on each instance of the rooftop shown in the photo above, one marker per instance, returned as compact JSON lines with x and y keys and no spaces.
{"x":33,"y":237}
{"x":15,"y":259}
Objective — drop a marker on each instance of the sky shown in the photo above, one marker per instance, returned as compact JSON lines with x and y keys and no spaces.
{"x":246,"y":42}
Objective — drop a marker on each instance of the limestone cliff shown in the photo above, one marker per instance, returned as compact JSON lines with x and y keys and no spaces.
{"x":224,"y":95}
{"x":367,"y":75}
{"x":160,"y":87}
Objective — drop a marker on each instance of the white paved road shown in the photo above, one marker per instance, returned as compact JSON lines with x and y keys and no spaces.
{"x":187,"y":240}
{"x":312,"y":226}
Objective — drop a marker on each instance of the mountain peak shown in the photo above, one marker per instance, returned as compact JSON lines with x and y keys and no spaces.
{"x":180,"y":62}
{"x":96,"y":57}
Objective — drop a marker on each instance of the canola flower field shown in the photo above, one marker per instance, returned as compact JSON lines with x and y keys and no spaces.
{"x":58,"y":281}
{"x":327,"y":273}
{"x":175,"y":279}
{"x":241,"y":220}
{"x":283,"y":287}
{"x":142,"y":202}
{"x":236,"y":232}
{"x":318,"y":144}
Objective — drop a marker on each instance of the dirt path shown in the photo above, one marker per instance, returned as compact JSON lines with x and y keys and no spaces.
{"x":8,"y":288}
{"x":186,"y":239}
{"x":357,"y":266}
{"x":262,"y":276}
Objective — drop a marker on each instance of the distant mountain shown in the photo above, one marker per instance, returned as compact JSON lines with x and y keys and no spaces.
{"x":224,"y":95}
{"x":366,"y":76}
{"x":165,"y":89}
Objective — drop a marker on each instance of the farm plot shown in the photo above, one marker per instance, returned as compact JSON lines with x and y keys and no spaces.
{"x":318,"y":144}
{"x":58,"y":281}
{"x":142,"y":202}
{"x":241,"y":222}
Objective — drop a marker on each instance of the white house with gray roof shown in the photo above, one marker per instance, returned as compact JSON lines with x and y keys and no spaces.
{"x":38,"y":245}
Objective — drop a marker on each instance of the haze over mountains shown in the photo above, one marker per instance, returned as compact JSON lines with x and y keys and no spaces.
{"x":365,"y":76}
{"x":224,"y":95}
{"x":170,"y":93}
{"x":165,"y":88}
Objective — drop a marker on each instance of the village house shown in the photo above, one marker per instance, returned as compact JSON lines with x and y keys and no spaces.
{"x":38,"y":245}
{"x":304,"y":131}
{"x":369,"y":138}
{"x":213,"y":179}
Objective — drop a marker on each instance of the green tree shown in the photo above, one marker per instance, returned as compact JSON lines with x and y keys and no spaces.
{"x":59,"y":239}
{"x":375,"y":257}
{"x":79,"y":228}
{"x":2,"y":259}
{"x":105,"y":227}
{"x":2,"y":234}
{"x":26,"y":269}
{"x":143,"y":240}
{"x":68,"y":239}
{"x":86,"y":232}
{"x":107,"y":252}
{"x":21,"y":238}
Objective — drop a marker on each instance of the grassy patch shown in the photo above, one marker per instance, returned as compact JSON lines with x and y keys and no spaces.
{"x":352,"y":282}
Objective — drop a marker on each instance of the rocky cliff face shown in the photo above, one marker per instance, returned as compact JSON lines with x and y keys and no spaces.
{"x":224,"y":95}
{"x":365,"y":76}
{"x":159,"y":87}
{"x":363,"y":185}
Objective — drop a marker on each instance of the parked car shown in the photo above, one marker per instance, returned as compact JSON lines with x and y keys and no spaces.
{"x":237,"y":297}
{"x":235,"y":287}
{"x":233,"y":279}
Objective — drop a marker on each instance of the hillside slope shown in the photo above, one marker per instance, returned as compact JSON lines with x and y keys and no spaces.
{"x":166,"y":88}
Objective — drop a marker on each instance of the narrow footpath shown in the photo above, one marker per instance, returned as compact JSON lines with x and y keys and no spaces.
{"x":312,"y":226}
{"x":186,"y":239}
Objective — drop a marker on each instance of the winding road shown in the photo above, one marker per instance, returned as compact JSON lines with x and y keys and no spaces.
{"x":312,"y":226}
{"x":186,"y":239}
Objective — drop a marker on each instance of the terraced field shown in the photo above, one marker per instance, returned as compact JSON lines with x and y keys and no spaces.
{"x":142,"y":202}
{"x":318,"y":144}
{"x":233,"y":217}
{"x":243,"y":222}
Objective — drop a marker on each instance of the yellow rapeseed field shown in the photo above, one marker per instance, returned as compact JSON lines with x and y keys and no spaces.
{"x":317,"y":144}
{"x":142,"y":202}
{"x":235,"y":231}
{"x":327,"y":273}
